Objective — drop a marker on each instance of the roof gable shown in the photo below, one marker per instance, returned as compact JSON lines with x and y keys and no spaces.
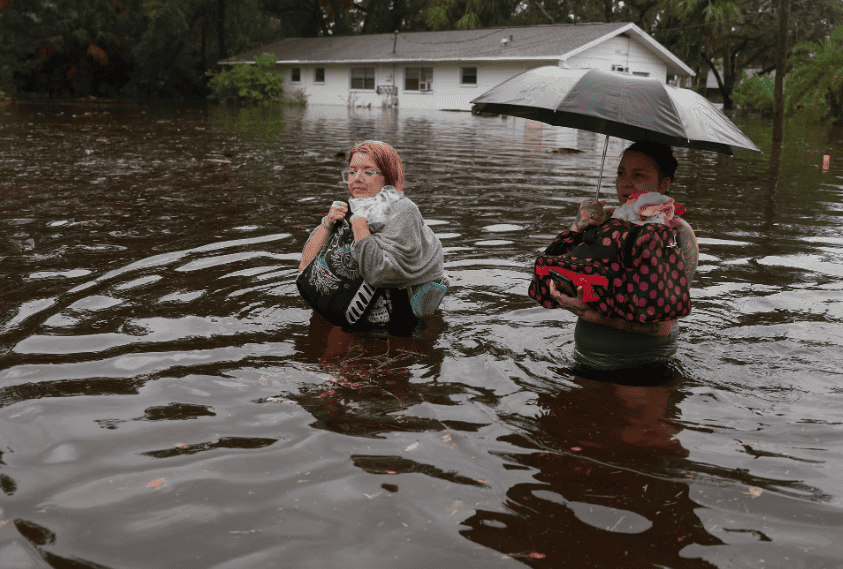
{"x":546,"y":42}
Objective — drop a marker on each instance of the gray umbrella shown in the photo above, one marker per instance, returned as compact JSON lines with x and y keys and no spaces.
{"x":615,"y":104}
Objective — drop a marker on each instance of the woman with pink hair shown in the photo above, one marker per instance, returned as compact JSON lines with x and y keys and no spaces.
{"x":386,"y":241}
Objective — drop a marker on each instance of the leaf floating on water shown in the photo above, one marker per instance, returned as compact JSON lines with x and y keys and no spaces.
{"x":447,"y":437}
{"x":372,"y":496}
{"x":754,"y":492}
{"x":530,"y":555}
{"x":157,"y":483}
{"x":454,"y":507}
{"x":412,"y":447}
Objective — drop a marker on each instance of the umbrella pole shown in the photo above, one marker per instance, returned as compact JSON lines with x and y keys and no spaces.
{"x":602,"y":163}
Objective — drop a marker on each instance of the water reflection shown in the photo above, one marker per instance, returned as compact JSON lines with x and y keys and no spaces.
{"x":365,"y":386}
{"x":165,"y":393}
{"x":604,"y":458}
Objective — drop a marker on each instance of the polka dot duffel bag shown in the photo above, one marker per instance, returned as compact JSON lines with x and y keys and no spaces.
{"x":629,"y":271}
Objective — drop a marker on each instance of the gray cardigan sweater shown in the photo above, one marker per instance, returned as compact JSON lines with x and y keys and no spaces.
{"x":405,"y":252}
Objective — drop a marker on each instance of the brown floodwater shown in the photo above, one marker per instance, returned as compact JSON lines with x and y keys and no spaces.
{"x":167,"y":401}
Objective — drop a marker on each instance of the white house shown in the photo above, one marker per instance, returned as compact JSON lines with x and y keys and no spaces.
{"x":446,"y":70}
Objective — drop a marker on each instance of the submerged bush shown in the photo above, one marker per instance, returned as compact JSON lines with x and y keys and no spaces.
{"x":756,"y":92}
{"x":260,"y":83}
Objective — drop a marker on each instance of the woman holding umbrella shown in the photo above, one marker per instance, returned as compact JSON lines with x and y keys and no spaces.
{"x":604,"y":342}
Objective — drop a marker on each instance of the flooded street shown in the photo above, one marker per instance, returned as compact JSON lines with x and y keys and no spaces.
{"x":166,"y":401}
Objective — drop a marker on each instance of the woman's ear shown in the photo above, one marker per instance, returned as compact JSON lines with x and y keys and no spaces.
{"x":664,"y":185}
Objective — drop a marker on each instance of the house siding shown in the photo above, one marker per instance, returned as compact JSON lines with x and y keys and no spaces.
{"x":447,"y":92}
{"x":498,"y":54}
{"x":624,"y":52}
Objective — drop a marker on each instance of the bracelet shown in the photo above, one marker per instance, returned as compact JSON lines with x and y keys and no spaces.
{"x":325,"y":225}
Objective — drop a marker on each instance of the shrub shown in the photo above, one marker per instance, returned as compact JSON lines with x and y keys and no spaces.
{"x":815,"y":86}
{"x":247,"y":84}
{"x":756,"y":92}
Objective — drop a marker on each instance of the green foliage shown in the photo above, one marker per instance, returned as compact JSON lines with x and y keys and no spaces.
{"x":712,"y":10}
{"x":153,"y":8}
{"x":7,"y":83}
{"x":245,"y":84}
{"x":756,"y":92}
{"x":436,"y":16}
{"x":815,"y":86}
{"x":469,"y":21}
{"x":165,"y":64}
{"x":469,"y":14}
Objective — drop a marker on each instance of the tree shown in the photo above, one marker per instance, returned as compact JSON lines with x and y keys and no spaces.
{"x":66,"y":47}
{"x":469,"y":14}
{"x":815,"y":86}
{"x":782,"y":14}
{"x":730,"y":35}
{"x":72,"y":48}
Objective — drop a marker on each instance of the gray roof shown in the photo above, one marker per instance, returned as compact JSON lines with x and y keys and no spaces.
{"x":549,"y":42}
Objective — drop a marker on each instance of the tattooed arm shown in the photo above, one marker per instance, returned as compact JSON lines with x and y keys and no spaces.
{"x":687,"y":242}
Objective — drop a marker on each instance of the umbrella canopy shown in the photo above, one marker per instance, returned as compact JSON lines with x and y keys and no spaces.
{"x":616,"y":104}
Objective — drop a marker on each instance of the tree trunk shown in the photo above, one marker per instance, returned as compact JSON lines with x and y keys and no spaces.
{"x":370,"y":14}
{"x":727,"y":99}
{"x":221,"y":28}
{"x":543,"y":11}
{"x":203,"y":29}
{"x":781,"y":69}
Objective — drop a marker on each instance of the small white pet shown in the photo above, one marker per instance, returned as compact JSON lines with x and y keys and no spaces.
{"x":648,"y":207}
{"x":377,"y":209}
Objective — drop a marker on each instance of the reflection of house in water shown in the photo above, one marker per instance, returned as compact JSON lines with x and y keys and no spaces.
{"x":447,"y":69}
{"x":540,"y":137}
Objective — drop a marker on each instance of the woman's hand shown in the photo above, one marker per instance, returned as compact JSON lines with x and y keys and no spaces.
{"x":591,"y":212}
{"x":360,"y":227}
{"x":336,"y":213}
{"x":584,"y":311}
{"x":574,"y":304}
{"x":322,"y":233}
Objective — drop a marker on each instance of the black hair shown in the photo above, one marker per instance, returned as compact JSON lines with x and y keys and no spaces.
{"x":662,"y":155}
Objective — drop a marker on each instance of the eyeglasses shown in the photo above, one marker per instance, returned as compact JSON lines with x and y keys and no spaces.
{"x":347,"y":175}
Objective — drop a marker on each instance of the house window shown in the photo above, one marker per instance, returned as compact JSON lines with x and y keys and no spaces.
{"x":641,"y":73}
{"x":319,"y":75}
{"x":418,"y":79}
{"x":620,"y":68}
{"x":469,"y":76}
{"x":362,"y":77}
{"x":296,"y":73}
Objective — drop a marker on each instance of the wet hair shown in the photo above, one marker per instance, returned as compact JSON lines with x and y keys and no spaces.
{"x":385,"y":158}
{"x":662,"y":155}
